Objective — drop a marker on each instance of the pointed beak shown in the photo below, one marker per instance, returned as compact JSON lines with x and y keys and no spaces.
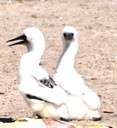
{"x":22,"y":38}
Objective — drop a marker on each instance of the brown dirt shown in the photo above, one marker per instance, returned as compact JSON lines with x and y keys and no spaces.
{"x":96,"y":61}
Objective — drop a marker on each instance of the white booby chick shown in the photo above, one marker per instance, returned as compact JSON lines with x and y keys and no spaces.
{"x":37,"y":87}
{"x":82,"y":97}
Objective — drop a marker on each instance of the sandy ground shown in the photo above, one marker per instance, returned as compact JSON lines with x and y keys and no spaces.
{"x":96,"y":61}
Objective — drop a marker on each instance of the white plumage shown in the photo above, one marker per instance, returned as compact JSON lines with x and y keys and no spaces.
{"x":39,"y":90}
{"x":72,"y":99}
{"x":83,"y":103}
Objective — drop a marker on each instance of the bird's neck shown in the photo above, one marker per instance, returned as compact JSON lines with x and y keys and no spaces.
{"x":29,"y":61}
{"x":34,"y":53}
{"x":67,"y":57}
{"x":36,"y":48}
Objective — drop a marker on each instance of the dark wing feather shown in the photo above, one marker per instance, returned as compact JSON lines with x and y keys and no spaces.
{"x":48,"y":82}
{"x":35,"y":97}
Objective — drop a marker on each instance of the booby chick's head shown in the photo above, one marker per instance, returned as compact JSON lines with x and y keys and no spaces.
{"x":32,"y":37}
{"x":69,"y":34}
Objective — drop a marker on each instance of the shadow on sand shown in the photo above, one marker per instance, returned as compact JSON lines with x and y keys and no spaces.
{"x":7,"y":120}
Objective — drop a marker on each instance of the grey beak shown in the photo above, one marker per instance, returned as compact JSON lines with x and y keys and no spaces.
{"x":22,"y":38}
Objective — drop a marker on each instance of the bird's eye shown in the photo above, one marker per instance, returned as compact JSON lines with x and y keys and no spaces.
{"x":65,"y":34}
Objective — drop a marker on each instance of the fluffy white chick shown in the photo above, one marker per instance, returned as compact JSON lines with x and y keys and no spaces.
{"x":83,"y":103}
{"x":37,"y":87}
